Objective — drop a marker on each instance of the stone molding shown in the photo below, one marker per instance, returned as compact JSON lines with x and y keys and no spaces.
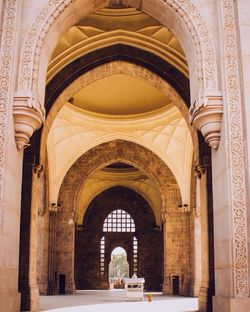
{"x":26,"y":121}
{"x":33,"y":43}
{"x":236,"y":153}
{"x":206,"y":117}
{"x":6,"y":62}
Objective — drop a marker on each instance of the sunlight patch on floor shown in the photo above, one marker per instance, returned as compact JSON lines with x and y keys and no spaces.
{"x":113,"y":301}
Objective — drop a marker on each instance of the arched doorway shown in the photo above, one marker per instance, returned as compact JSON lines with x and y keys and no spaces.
{"x":124,"y":219}
{"x":118,"y":268}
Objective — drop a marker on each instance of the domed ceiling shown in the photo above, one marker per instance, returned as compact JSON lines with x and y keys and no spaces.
{"x":120,"y":95}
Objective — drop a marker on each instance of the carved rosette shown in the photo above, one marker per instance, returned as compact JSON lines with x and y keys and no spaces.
{"x":26,"y":121}
{"x":207,"y":117}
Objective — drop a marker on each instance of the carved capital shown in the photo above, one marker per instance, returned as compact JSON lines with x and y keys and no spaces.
{"x":164,"y":216}
{"x":38,"y":170}
{"x":199,"y":171}
{"x":26,"y":121}
{"x":206,"y":117}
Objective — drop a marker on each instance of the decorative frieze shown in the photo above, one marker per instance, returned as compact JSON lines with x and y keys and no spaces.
{"x":6,"y":63}
{"x":206,"y":117}
{"x":237,"y":158}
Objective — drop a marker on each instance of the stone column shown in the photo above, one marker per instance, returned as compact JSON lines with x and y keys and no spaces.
{"x":231,"y":201}
{"x":10,"y":160}
{"x":206,"y":218}
{"x":176,"y":250}
{"x":52,"y":280}
{"x":166,"y":287}
{"x":28,"y":237}
{"x":197,"y":236}
{"x":65,"y":245}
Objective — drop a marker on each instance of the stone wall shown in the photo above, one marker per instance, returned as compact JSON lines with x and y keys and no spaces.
{"x":150,"y":242}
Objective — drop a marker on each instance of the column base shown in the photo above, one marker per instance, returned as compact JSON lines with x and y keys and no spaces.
{"x":166,"y":287}
{"x":205,"y":300}
{"x":9,"y":295}
{"x":222,"y":304}
{"x":29,"y":298}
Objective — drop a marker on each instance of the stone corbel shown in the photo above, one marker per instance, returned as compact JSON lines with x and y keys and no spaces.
{"x":38,"y":170}
{"x":199,"y":171}
{"x":26,"y":120}
{"x":206,"y":117}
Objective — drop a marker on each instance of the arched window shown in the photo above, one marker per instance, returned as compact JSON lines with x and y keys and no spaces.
{"x":119,"y":221}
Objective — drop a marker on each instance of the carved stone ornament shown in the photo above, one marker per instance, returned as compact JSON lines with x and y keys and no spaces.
{"x":26,"y":121}
{"x":207,"y":117}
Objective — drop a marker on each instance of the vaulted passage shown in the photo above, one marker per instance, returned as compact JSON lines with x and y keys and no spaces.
{"x":118,"y":156}
{"x":124,"y":219}
{"x":123,"y":152}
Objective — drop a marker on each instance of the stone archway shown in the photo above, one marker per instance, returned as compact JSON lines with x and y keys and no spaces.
{"x":50,"y":15}
{"x":192,"y":28}
{"x":135,"y":155}
{"x":106,"y":70}
{"x":231,"y":176}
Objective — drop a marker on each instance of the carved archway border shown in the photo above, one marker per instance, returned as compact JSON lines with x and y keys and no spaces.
{"x":237,"y":159}
{"x":120,"y":151}
{"x":188,"y":13}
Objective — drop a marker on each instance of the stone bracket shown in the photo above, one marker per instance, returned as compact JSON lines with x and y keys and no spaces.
{"x":26,"y":120}
{"x":206,"y":117}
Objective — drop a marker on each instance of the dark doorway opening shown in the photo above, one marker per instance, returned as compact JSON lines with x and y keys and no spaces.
{"x":176,"y":284}
{"x":62,"y":284}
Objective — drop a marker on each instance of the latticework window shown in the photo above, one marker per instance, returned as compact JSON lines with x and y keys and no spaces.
{"x":102,"y":255}
{"x":135,"y":251}
{"x":119,"y":221}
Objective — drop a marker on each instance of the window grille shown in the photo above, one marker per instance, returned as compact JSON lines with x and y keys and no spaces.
{"x":102,"y":256}
{"x":135,"y":251}
{"x":119,"y":221}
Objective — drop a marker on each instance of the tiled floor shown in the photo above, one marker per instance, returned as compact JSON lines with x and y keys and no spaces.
{"x":114,"y":301}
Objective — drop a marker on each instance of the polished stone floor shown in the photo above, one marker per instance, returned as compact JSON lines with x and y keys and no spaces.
{"x":113,"y":301}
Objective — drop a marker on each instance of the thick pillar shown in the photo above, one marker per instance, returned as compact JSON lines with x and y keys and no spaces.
{"x":197,"y":252}
{"x":28,"y":237}
{"x":65,"y":245}
{"x":206,"y":218}
{"x":231,"y":201}
{"x":176,"y":242}
{"x":10,"y":160}
{"x":52,"y":280}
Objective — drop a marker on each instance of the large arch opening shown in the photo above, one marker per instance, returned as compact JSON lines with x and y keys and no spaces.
{"x":82,"y":138}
